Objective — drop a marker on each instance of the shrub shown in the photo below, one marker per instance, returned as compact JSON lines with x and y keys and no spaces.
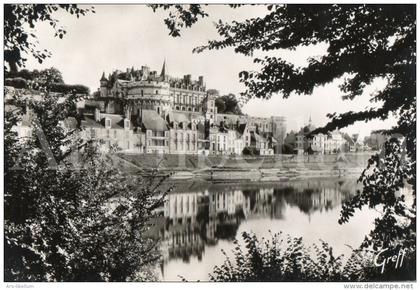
{"x":250,"y":151}
{"x":282,"y":259}
{"x":64,"y":88}
{"x":18,"y":82}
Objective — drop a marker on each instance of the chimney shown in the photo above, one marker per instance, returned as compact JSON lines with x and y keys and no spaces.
{"x":97,"y":115}
{"x":201,"y":80}
{"x":187,"y":79}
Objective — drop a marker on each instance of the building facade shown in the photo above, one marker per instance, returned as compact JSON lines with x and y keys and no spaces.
{"x":141,"y":111}
{"x":304,"y":142}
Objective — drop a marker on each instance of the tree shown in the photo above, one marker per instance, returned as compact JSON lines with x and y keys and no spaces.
{"x":19,"y":40}
{"x":220,"y":104}
{"x":49,"y":76}
{"x":289,"y":143}
{"x":250,"y":151}
{"x":227,"y":104}
{"x":365,"y":42}
{"x":213,"y":92}
{"x":189,"y":16}
{"x":70,"y":213}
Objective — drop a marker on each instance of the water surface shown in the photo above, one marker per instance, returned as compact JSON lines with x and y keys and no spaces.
{"x":199,"y":220}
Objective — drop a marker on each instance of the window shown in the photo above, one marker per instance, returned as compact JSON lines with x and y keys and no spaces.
{"x":92,"y":133}
{"x":107,"y":123}
{"x":107,"y":133}
{"x":115,"y":133}
{"x":141,"y":92}
{"x":157,"y":92}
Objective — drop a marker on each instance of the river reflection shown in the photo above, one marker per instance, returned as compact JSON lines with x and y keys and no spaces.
{"x":199,"y":220}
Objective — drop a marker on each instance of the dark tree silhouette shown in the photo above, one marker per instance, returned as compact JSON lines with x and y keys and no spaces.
{"x":70,"y":212}
{"x":220,"y":104}
{"x":50,"y":77}
{"x":365,"y":42}
{"x":19,"y":40}
{"x":228,"y":104}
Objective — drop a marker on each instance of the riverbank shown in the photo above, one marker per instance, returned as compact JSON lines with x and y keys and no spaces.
{"x":267,"y":168}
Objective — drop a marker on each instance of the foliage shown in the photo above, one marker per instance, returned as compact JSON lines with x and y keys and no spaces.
{"x":250,"y":151}
{"x":375,"y":141}
{"x":213,"y":92}
{"x":287,"y":149}
{"x":19,"y":39}
{"x":18,"y":83}
{"x":220,"y":105}
{"x":70,"y":213}
{"x":228,"y":104}
{"x":50,"y":77}
{"x":286,"y":259}
{"x":66,"y":89}
{"x":23,"y":73}
{"x":365,"y":43}
{"x":382,"y":182}
{"x":182,"y":16}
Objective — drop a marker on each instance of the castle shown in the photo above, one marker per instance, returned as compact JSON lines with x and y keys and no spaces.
{"x":143,"y":111}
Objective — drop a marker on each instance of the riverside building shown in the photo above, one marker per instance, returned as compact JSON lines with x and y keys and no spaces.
{"x":143,"y":111}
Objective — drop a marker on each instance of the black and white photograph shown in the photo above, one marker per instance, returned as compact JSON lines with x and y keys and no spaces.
{"x":209,"y":142}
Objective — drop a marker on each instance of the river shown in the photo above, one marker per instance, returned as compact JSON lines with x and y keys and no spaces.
{"x":199,"y":220}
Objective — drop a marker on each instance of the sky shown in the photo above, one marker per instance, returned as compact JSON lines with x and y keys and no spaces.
{"x":123,"y":36}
